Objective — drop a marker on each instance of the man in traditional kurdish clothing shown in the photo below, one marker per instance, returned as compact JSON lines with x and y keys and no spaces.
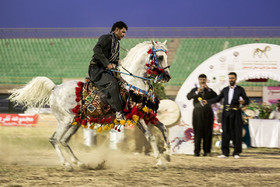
{"x":234,"y":96}
{"x":106,"y":57}
{"x":202,"y":116}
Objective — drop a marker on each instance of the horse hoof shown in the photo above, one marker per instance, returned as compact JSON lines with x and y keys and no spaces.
{"x":82,"y":166}
{"x":68,"y":168}
{"x":100,"y":166}
{"x":167,"y":157}
{"x":161,"y":167}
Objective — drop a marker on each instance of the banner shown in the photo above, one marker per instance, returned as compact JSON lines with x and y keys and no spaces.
{"x":181,"y":138}
{"x":24,"y":120}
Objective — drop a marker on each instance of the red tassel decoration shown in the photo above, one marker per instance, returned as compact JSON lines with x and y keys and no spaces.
{"x":78,"y":106}
{"x":126,"y":109}
{"x":154,"y":121}
{"x":149,"y":52}
{"x":146,"y":121}
{"x":76,"y":109}
{"x":108,"y":120}
{"x":102,"y":120}
{"x":85,"y":122}
{"x":140,"y":114}
{"x":134,"y":111}
{"x":78,"y":120}
{"x":95,"y":120}
{"x":78,"y":90}
{"x":80,"y":84}
{"x":128,"y":116}
{"x":161,"y":70}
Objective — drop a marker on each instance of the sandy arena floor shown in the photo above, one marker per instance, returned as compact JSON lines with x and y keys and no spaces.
{"x":28,"y":159}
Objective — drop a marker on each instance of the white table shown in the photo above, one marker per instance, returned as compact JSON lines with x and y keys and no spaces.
{"x":264,"y":132}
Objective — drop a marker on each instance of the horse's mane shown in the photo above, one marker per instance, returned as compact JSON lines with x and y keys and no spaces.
{"x":140,"y":49}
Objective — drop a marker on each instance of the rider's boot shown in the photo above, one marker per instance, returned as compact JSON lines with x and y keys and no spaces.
{"x":119,"y":116}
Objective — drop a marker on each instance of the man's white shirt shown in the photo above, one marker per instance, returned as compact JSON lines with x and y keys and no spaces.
{"x":230,"y":94}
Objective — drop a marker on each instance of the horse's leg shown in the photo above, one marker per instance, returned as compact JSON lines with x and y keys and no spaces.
{"x":167,"y":152}
{"x":55,"y":140}
{"x":62,"y":101}
{"x":151,"y":138}
{"x":64,"y":142}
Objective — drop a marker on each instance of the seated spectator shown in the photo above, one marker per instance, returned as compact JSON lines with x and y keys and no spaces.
{"x":245,"y":118}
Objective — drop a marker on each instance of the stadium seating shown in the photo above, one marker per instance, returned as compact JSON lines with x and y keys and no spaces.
{"x":58,"y":58}
{"x":23,"y":59}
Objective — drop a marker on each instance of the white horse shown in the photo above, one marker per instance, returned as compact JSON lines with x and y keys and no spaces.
{"x":61,"y":99}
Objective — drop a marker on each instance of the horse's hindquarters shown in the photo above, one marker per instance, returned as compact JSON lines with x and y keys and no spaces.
{"x":62,"y":100}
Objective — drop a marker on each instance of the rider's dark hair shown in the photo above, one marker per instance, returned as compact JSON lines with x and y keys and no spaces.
{"x":119,"y":25}
{"x":233,"y":73}
{"x":202,"y":76}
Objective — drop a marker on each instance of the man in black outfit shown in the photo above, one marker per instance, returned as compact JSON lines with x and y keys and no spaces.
{"x":106,"y":57}
{"x":202,"y":116}
{"x":234,"y":96}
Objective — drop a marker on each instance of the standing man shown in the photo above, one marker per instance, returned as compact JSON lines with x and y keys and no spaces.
{"x":234,"y":96}
{"x":106,"y":57}
{"x":202,"y":116}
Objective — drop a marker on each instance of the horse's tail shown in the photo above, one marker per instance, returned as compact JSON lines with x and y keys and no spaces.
{"x":35,"y":94}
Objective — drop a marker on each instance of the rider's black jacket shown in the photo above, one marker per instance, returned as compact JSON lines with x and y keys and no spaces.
{"x":102,"y":51}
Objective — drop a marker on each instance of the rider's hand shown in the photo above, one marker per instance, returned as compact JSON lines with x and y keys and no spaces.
{"x":110,"y":66}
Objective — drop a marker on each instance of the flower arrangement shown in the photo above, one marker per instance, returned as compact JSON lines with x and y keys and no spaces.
{"x":262,"y":110}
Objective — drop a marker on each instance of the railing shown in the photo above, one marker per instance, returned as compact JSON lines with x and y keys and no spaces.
{"x":143,"y":32}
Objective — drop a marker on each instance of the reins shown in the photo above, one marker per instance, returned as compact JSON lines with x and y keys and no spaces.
{"x":138,"y":90}
{"x":130,"y":74}
{"x":151,"y":66}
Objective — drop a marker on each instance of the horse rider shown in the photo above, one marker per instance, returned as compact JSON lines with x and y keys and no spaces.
{"x":106,"y":57}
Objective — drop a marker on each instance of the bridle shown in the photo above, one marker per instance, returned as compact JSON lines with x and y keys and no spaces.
{"x":153,"y":69}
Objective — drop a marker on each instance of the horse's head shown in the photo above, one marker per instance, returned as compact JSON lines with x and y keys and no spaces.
{"x":157,"y":66}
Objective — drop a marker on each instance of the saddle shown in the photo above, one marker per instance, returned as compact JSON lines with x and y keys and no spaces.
{"x":93,"y":109}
